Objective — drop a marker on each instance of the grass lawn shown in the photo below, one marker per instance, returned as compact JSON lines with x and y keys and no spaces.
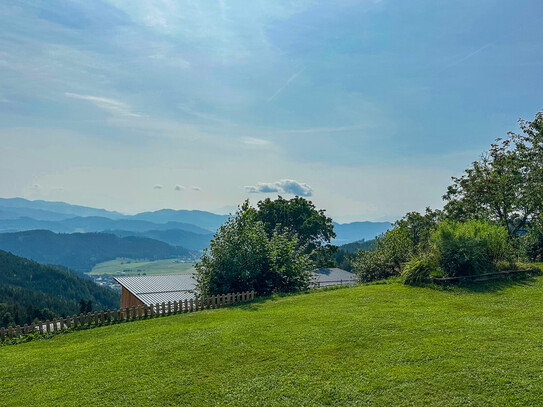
{"x":368,"y":345}
{"x":129,"y":267}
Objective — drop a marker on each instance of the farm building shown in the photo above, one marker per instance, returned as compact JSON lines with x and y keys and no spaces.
{"x":147,"y":290}
{"x":332,"y":276}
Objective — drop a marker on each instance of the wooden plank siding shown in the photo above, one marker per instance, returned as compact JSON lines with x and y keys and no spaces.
{"x":129,"y":300}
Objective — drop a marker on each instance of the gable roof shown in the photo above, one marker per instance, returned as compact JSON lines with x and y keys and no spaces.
{"x":157,"y":289}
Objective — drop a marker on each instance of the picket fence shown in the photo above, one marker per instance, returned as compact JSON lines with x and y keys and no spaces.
{"x":125,"y":315}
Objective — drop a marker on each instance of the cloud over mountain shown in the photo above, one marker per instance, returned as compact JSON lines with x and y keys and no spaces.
{"x":288,"y":186}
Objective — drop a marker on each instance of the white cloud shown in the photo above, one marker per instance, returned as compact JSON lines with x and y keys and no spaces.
{"x":113,"y":106}
{"x":178,"y":187}
{"x":195,"y":188}
{"x":288,"y":186}
{"x":157,"y":186}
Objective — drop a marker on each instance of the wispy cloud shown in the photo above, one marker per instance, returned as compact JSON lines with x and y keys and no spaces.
{"x":470,"y":55}
{"x":196,"y":188}
{"x":288,"y":186}
{"x":113,"y":106}
{"x":157,"y":186}
{"x":178,"y":187}
{"x":282,"y":88}
{"x":312,"y":130}
{"x":253,"y":141}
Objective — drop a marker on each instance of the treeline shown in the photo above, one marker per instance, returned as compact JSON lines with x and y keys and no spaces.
{"x":82,"y":251}
{"x":31,"y":291}
{"x":492,"y":219}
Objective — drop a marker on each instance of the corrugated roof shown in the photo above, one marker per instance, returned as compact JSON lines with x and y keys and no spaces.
{"x":333,"y":274}
{"x":159,"y":288}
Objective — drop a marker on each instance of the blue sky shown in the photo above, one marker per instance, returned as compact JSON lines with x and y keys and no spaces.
{"x":367,"y":107}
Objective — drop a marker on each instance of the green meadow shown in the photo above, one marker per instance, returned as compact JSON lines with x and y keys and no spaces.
{"x":130,"y":267}
{"x":383,"y":344}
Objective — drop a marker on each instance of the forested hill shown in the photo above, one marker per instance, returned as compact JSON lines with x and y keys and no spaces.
{"x":29,"y":290}
{"x":82,"y":251}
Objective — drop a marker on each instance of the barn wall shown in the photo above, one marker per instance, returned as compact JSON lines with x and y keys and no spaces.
{"x":128,"y":299}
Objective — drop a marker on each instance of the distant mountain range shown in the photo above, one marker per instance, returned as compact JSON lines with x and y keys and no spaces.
{"x":82,"y":251}
{"x":189,"y":229}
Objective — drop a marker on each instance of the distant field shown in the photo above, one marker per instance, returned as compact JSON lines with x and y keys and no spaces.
{"x":131,"y":267}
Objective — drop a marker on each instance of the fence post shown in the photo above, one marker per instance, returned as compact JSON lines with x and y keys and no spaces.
{"x":169,"y":307}
{"x":61,"y":323}
{"x":32,"y":328}
{"x":185,"y":305}
{"x":17,"y":331}
{"x":175,"y":307}
{"x":10,"y":332}
{"x":47,"y":326}
{"x":2,"y":334}
{"x":191,"y":305}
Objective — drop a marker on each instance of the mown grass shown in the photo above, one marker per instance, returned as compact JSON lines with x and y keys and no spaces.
{"x":129,"y":267}
{"x":368,"y":345}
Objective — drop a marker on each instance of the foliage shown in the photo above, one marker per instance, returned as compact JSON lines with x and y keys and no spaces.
{"x":419,"y":227}
{"x":391,"y":249}
{"x":532,"y":242}
{"x":243,"y":257}
{"x":374,"y":345}
{"x":299,"y":217}
{"x":469,"y":248}
{"x":506,"y":184}
{"x":30,"y":291}
{"x":419,"y":269}
{"x":346,"y":254}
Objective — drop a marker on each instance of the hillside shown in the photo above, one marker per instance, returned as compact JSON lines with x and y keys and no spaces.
{"x":27,"y":288}
{"x":81,"y":251}
{"x":368,"y":345}
{"x":175,"y":237}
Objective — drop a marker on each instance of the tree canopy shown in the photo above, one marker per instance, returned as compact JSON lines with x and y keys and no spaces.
{"x":506,"y":184}
{"x":298,"y":216}
{"x":244,"y":256}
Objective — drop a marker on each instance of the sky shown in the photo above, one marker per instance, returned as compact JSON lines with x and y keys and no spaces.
{"x":366,"y":107}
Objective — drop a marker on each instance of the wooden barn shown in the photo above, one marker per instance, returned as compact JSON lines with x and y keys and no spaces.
{"x":147,"y":290}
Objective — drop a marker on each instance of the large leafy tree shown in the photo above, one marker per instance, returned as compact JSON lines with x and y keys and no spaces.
{"x":506,"y":184}
{"x":298,"y":216}
{"x":242,"y":256}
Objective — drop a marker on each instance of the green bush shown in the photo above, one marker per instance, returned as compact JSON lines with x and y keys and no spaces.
{"x":532,"y":242}
{"x":419,"y":269}
{"x":469,"y":248}
{"x":390,"y":251}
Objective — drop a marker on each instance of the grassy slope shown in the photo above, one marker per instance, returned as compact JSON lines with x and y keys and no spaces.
{"x":368,"y":345}
{"x":166,"y":266}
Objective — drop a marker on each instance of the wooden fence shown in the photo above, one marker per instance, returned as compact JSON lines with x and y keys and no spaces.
{"x":125,"y":315}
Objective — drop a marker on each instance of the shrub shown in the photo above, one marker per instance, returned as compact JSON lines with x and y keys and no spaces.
{"x":390,"y":251}
{"x":419,"y":269}
{"x":469,"y":248}
{"x":532,"y":242}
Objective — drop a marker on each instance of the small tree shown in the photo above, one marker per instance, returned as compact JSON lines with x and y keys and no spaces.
{"x":506,"y":184}
{"x":242,"y":257}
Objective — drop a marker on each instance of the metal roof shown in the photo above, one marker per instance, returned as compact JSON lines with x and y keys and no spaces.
{"x":333,"y":275}
{"x":156,"y":289}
